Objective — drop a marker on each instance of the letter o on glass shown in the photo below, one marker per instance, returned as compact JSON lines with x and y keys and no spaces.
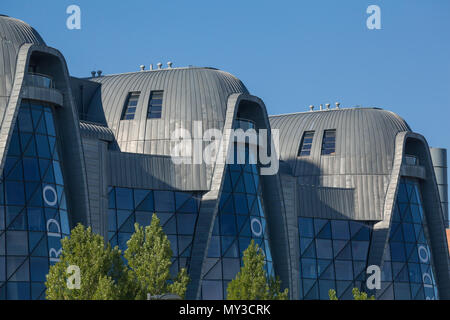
{"x":423,"y":259}
{"x":259,"y":229}
{"x":55,"y":195}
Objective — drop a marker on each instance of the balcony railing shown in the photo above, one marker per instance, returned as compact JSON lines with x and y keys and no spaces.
{"x":39,"y":80}
{"x":411,"y":160}
{"x":244,"y":124}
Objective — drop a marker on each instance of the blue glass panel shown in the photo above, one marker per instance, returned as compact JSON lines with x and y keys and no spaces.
{"x":186,"y":223}
{"x":214,"y":247}
{"x":25,"y":122}
{"x":309,"y":268}
{"x":324,"y":287}
{"x":124,"y":198}
{"x":344,"y":270}
{"x":15,"y":193}
{"x":306,"y":228}
{"x":240,"y":203}
{"x":39,"y":268}
{"x":50,"y":124}
{"x":164,"y":201}
{"x":230,"y":267}
{"x":212,"y":290}
{"x":43,"y":148}
{"x":31,"y":169}
{"x":16,"y":242}
{"x":112,"y":199}
{"x":58,"y":173}
{"x":360,"y":250}
{"x":18,"y":291}
{"x":340,"y":230}
{"x":112,"y":224}
{"x":324,"y":249}
{"x":228,"y":225}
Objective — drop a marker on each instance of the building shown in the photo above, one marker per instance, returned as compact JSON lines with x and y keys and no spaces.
{"x":355,"y":187}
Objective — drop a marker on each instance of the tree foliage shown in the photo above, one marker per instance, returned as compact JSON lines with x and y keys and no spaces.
{"x":251,"y":282}
{"x":102,"y":271}
{"x":357,"y":295}
{"x":149,"y":259}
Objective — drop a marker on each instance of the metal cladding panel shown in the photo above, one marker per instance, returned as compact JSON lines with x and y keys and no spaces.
{"x":325,"y":202}
{"x":154,"y":172}
{"x":13,"y":34}
{"x":365,"y":141}
{"x":190,"y":94}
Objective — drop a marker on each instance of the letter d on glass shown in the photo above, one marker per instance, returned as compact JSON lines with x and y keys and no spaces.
{"x":74,"y":279}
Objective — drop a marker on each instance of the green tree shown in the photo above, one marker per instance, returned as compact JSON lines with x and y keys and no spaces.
{"x":149,"y":259}
{"x":251,"y":282}
{"x":357,"y":295}
{"x":102,"y":271}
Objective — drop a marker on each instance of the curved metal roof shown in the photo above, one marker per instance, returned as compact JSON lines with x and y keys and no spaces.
{"x":13,"y":34}
{"x":361,"y":133}
{"x":190,"y":94}
{"x":365,"y":147}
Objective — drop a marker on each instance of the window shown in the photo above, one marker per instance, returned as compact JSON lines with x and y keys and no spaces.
{"x":155,"y":105}
{"x":305,"y":145}
{"x":130,"y":106}
{"x":329,"y":142}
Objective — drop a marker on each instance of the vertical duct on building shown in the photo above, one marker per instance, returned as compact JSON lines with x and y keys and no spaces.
{"x":439,"y":159}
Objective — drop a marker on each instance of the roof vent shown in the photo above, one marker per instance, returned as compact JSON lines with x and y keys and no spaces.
{"x":321,"y":107}
{"x":337,"y":105}
{"x":142,"y":67}
{"x":311,"y":108}
{"x":328,"y":106}
{"x":99,"y":73}
{"x":169,"y":64}
{"x":159,"y":64}
{"x":151,"y":66}
{"x":93,"y":74}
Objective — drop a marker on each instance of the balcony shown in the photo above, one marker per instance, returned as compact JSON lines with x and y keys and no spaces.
{"x":41,"y":87}
{"x":244,"y":124}
{"x":411,"y":160}
{"x":39,"y":80}
{"x":412,"y":168}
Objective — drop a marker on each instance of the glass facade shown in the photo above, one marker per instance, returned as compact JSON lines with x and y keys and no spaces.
{"x":333,"y":255}
{"x":240,"y":219}
{"x":33,"y":211}
{"x":407,"y":272}
{"x":177,"y":211}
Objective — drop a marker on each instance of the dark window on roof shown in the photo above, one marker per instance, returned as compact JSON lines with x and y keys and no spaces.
{"x":155,"y":105}
{"x":329,"y":142}
{"x":305,"y":145}
{"x":129,"y":108}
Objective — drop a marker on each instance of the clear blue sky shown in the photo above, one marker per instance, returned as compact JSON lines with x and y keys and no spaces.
{"x":289,"y":53}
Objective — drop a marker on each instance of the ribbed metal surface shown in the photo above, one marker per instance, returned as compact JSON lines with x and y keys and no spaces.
{"x":365,"y":140}
{"x":92,"y":130}
{"x":190,"y":94}
{"x":13,"y":33}
{"x":439,"y":158}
